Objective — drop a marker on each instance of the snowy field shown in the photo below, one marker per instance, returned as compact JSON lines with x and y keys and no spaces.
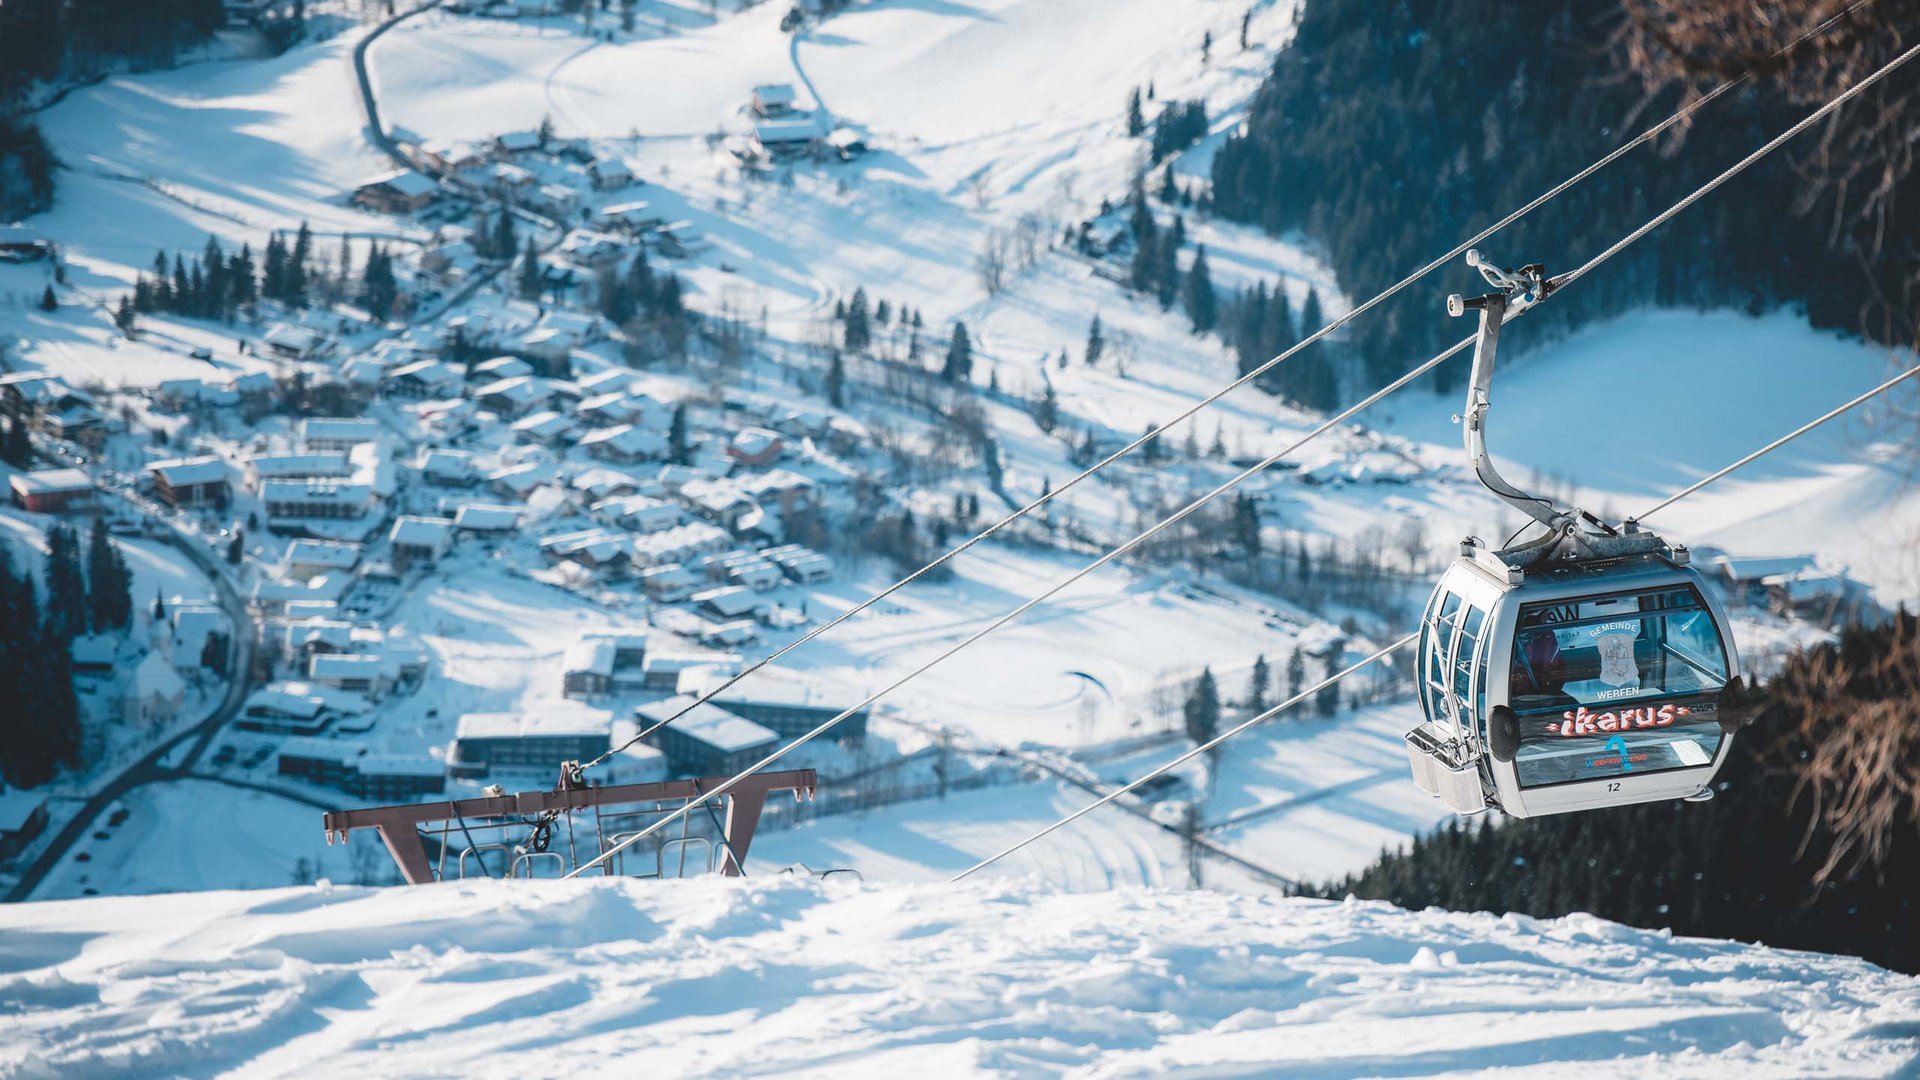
{"x":184,"y":835}
{"x":783,"y":977}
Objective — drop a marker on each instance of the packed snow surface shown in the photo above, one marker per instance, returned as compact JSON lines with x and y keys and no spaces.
{"x":788,"y":976}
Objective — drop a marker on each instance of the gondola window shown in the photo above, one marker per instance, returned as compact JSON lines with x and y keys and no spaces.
{"x":1616,"y":685}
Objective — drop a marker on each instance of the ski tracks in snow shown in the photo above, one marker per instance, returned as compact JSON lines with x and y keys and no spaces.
{"x":768,"y":976}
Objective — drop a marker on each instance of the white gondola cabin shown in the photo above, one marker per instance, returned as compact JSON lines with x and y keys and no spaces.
{"x":1591,"y":667}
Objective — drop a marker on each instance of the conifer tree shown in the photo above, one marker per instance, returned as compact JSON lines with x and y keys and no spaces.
{"x":1202,"y":709}
{"x":1296,"y":670}
{"x":1202,"y":305}
{"x":859,"y":330}
{"x":1327,"y":701}
{"x":959,"y":365}
{"x":378,"y":289}
{"x":298,"y":263}
{"x":1313,"y":379}
{"x":109,"y":602}
{"x":1136,"y":120}
{"x":1257,"y":684}
{"x":66,"y":586}
{"x":1246,"y":522}
{"x":182,"y":287}
{"x":1046,"y":413}
{"x":530,"y":272}
{"x":1165,"y":268}
{"x":19,"y":444}
{"x":677,"y":435}
{"x":505,"y":239}
{"x":273,"y":282}
{"x":1096,"y":341}
{"x":837,"y":381}
{"x":49,"y":302}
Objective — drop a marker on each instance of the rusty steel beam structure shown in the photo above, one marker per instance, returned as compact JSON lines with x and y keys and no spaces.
{"x":398,"y":826}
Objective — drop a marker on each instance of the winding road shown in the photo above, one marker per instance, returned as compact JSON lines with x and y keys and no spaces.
{"x":151,"y":767}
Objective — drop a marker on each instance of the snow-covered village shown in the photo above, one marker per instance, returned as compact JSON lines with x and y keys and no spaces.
{"x":737,"y":537}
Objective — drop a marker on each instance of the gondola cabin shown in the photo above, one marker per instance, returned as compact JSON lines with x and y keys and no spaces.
{"x":1575,"y":687}
{"x":1587,"y":667}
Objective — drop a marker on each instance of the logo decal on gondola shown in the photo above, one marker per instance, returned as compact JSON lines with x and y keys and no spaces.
{"x":1618,"y":745}
{"x":1584,"y":721}
{"x":1615,"y":642}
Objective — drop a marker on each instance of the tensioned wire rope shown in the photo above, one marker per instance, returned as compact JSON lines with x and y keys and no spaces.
{"x":1678,"y":116}
{"x":1512,"y":312}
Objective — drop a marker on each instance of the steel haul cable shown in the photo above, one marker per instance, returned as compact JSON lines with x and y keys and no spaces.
{"x":1618,"y":152}
{"x":1512,"y":312}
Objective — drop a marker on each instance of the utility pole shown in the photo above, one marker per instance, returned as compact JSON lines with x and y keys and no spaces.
{"x":940,"y":763}
{"x":1189,"y":834}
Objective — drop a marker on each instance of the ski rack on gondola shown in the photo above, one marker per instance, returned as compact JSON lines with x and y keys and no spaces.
{"x":537,"y":816}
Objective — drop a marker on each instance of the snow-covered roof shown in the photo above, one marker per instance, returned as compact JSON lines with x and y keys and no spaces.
{"x":333,"y":633}
{"x":545,"y":424}
{"x":345,"y":666}
{"x":288,"y":699}
{"x":298,"y":338}
{"x":432,"y":372}
{"x":252,"y":382}
{"x":774,"y":93}
{"x":681,"y":541}
{"x":186,"y":472}
{"x":332,"y":554}
{"x":510,"y":174}
{"x":94,"y":650}
{"x":1758,"y":567}
{"x":339,"y":429}
{"x":728,"y":600}
{"x":544,"y":719}
{"x":708,"y":723}
{"x":155,"y":677}
{"x":754,"y":441}
{"x":324,"y":463}
{"x":591,"y":655}
{"x":405,"y":182}
{"x":399,"y":765}
{"x":52,"y":482}
{"x":447,"y":462}
{"x":628,"y":440}
{"x":786,"y":131}
{"x":315,"y":490}
{"x":517,"y":389}
{"x":519,"y":140}
{"x":503,"y":367}
{"x":313,"y":748}
{"x":479,"y":517}
{"x":412,"y":531}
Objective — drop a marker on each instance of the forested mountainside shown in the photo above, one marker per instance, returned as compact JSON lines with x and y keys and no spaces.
{"x":45,"y":39}
{"x":1391,"y":131}
{"x":46,"y":42}
{"x":1798,"y":848}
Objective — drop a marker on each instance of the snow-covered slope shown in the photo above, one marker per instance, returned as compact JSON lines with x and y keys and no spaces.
{"x":788,"y":977}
